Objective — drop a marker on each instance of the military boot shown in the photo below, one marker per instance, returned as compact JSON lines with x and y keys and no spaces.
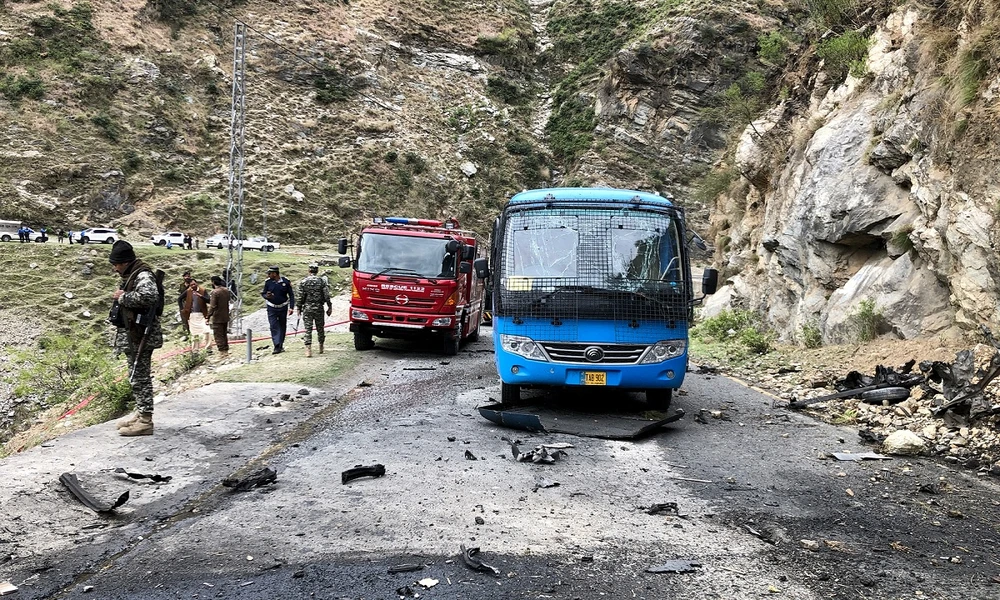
{"x":309,"y":351}
{"x":142,"y":426}
{"x":129,"y":421}
{"x":321,"y":347}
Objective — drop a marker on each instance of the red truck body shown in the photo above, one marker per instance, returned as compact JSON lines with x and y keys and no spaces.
{"x":414,"y":279}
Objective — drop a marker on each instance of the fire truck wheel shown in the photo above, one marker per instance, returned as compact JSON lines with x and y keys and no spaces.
{"x":510,"y":393}
{"x":363,"y":341}
{"x":659,"y":399}
{"x":450,"y":344}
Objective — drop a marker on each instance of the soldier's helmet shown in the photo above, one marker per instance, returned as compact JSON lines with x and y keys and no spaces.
{"x":313,"y":267}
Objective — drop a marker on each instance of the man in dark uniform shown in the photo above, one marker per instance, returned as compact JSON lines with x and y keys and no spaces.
{"x":138,"y":333}
{"x":280,"y":298}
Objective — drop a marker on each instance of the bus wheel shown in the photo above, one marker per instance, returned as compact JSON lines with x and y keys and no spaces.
{"x":510,"y":393}
{"x":659,"y":399}
{"x":363,"y":341}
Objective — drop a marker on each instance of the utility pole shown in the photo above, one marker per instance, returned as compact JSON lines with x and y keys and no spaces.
{"x":234,"y":264}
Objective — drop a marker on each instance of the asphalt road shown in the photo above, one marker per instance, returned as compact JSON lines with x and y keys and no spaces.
{"x":750,"y":483}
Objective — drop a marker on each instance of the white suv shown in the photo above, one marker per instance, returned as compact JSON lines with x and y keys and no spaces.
{"x":97,"y":234}
{"x":175,"y":238}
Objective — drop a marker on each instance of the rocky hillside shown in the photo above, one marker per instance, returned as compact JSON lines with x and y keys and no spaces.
{"x":837,"y":152}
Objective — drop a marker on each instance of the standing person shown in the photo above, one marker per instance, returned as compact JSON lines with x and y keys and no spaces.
{"x":70,"y":236}
{"x":234,"y":293}
{"x":61,"y":234}
{"x":138,"y":297}
{"x":184,"y":301}
{"x":313,"y":294}
{"x":197,"y":297}
{"x":279,"y":296}
{"x":218,"y":314}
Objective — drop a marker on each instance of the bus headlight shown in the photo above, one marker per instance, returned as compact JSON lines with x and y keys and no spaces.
{"x":522,"y":346}
{"x":662,"y":351}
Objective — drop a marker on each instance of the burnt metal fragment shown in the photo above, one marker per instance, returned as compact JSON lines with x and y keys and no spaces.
{"x":676,"y":566}
{"x":155,"y":478}
{"x":666,"y":508}
{"x":361,"y":471}
{"x":71,"y":482}
{"x":405,"y":568}
{"x":471,"y":559}
{"x":260,"y":478}
{"x":470,"y":456}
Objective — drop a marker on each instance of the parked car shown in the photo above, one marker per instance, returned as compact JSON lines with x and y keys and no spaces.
{"x":176,"y":238}
{"x":9,"y":231}
{"x":220,"y":241}
{"x":95,"y":235}
{"x":261,"y":243}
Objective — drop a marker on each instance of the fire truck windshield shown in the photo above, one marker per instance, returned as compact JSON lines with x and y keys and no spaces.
{"x":405,"y":255}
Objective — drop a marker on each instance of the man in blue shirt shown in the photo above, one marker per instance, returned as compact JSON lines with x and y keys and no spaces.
{"x":280,"y":298}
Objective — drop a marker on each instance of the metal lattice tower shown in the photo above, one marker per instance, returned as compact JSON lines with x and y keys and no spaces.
{"x":234,"y":265}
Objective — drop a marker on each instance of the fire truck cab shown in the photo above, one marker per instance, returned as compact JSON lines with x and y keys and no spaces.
{"x":413,"y":279}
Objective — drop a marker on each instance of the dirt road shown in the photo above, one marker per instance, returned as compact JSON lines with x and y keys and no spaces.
{"x":759,"y":506}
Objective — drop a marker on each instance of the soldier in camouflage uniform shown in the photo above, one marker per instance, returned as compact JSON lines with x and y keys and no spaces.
{"x":313,"y":294}
{"x":138,"y":296}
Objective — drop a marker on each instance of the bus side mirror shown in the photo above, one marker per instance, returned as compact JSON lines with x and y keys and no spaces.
{"x":452,"y":246}
{"x":482,"y":268}
{"x":464,"y":267}
{"x":709,"y":281}
{"x":344,"y":261}
{"x":468,"y":252}
{"x":342,"y":246}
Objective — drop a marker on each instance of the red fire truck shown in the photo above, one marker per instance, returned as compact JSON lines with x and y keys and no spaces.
{"x":413,"y":278}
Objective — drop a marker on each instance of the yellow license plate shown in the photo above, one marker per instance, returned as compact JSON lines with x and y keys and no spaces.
{"x":595,"y":378}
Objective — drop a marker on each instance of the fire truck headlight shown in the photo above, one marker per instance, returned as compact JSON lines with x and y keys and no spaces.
{"x":441,"y":322}
{"x":359,"y":315}
{"x":522,"y":346}
{"x":662,"y":351}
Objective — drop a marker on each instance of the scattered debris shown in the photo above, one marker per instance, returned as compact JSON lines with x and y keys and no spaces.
{"x":404,"y":591}
{"x":858,"y":385}
{"x":428,"y":582}
{"x":544,"y":483}
{"x":955,"y":380}
{"x":420,"y":368}
{"x":257,"y":479}
{"x":405,"y":568}
{"x":154,"y":478}
{"x":680,"y":565}
{"x":541,"y":454}
{"x":361,"y":471}
{"x":470,"y":556}
{"x":7,"y":587}
{"x":856,"y":456}
{"x":664,"y":508}
{"x":602,"y":425}
{"x":470,"y":456}
{"x":903,"y":442}
{"x":71,"y":482}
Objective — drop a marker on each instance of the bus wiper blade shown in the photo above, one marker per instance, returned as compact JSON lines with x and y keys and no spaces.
{"x":569,"y":288}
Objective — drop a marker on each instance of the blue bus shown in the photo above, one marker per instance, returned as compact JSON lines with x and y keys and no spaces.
{"x":591,"y":287}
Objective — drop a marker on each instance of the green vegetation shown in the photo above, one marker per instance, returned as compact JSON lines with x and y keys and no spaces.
{"x":972,"y":69}
{"x":512,"y":44}
{"x":843,"y":54}
{"x":506,"y":91}
{"x":772,"y":47}
{"x":335,"y":85}
{"x":835,"y":13}
{"x":736,"y":334}
{"x":587,"y":36}
{"x":17,"y":87}
{"x":740,"y":104}
{"x":339,"y":356}
{"x":811,"y":335}
{"x":847,"y":417}
{"x":107,"y":126}
{"x":901,"y":238}
{"x":866,"y":320}
{"x":713,"y":184}
{"x":65,"y":368}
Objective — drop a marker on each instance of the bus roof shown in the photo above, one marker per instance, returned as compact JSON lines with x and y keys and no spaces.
{"x":589,"y":193}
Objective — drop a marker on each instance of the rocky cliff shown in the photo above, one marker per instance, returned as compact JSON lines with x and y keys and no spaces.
{"x":838,"y":153}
